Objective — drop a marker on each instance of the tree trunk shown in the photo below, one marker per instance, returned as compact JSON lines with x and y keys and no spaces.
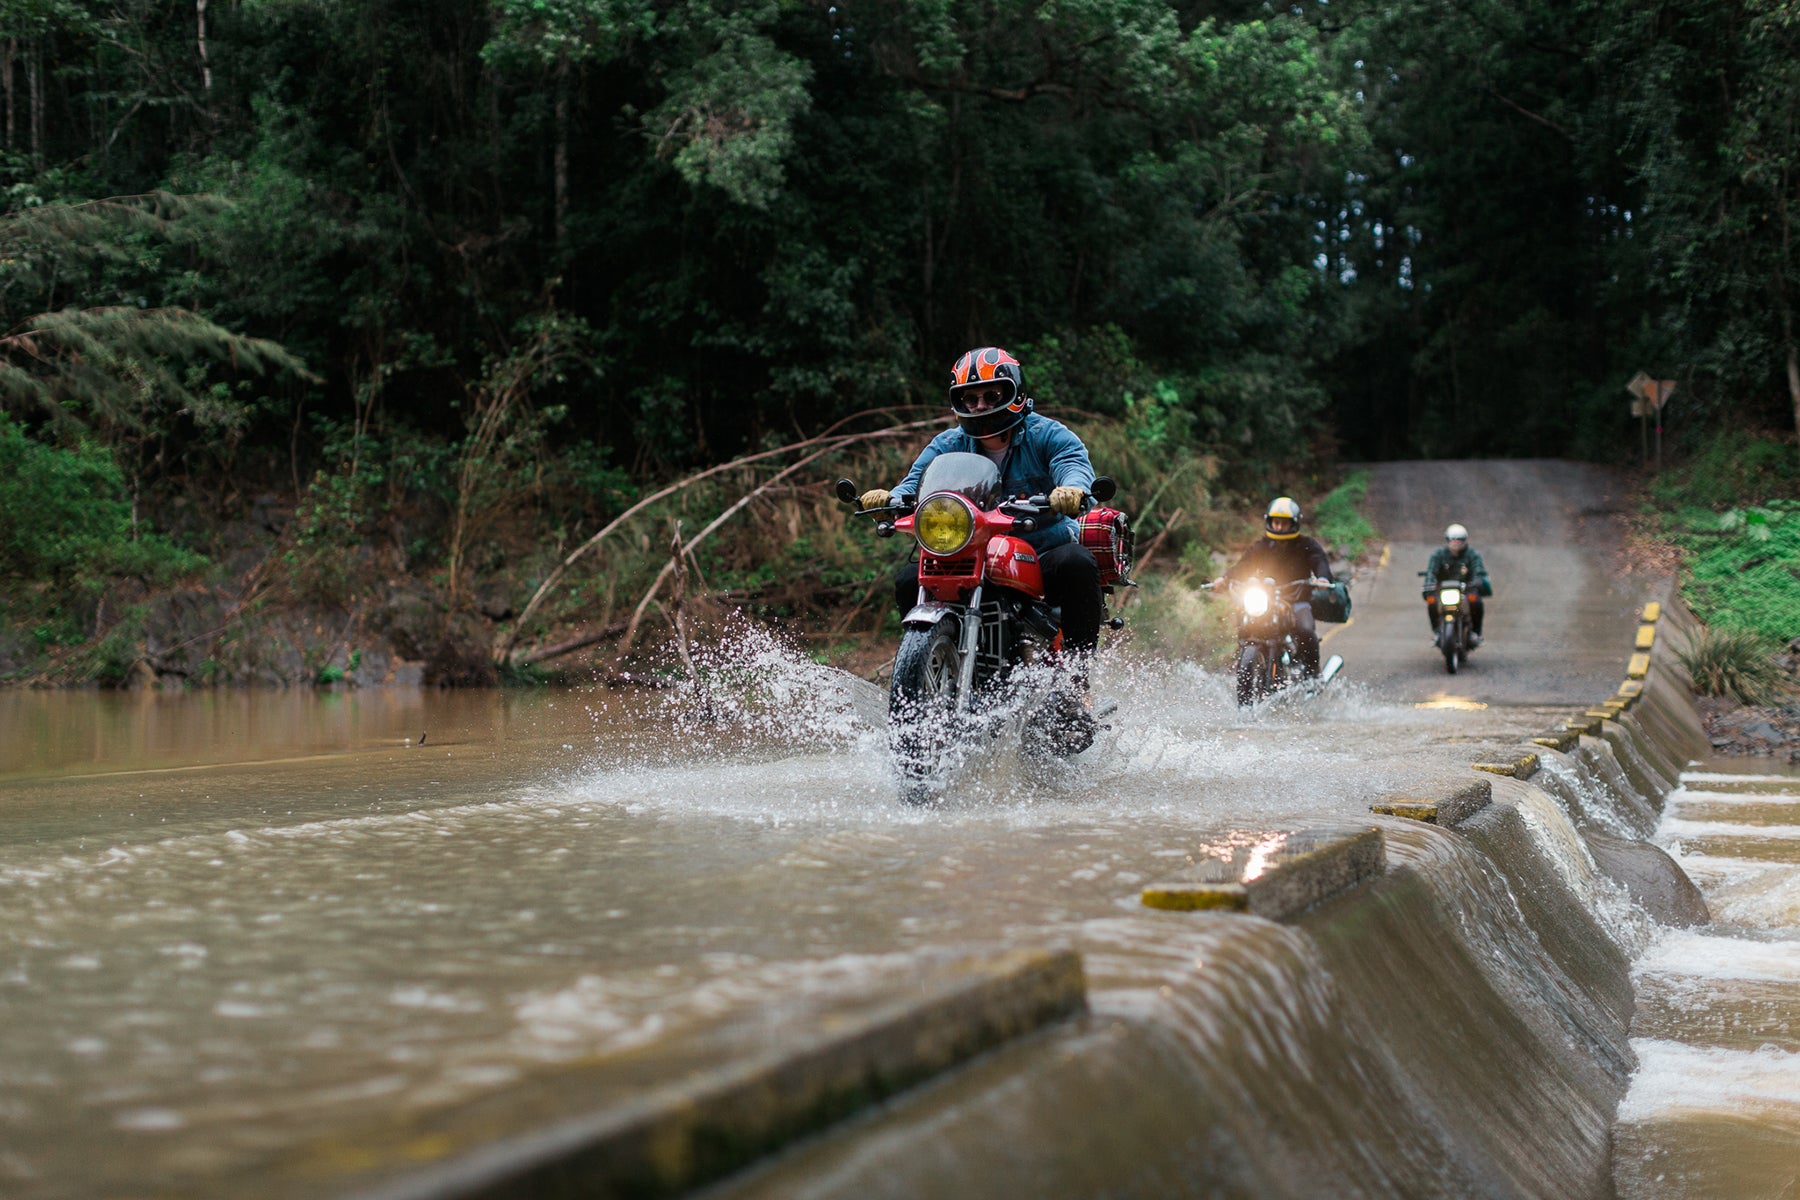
{"x":6,"y":83}
{"x":1785,"y":299}
{"x":34,"y":87}
{"x":561,"y":166}
{"x":205,"y":65}
{"x":1793,"y":365}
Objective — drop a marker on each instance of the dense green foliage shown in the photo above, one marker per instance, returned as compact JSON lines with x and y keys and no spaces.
{"x":456,"y":283}
{"x":1734,"y":512}
{"x":1742,"y":574}
{"x":64,"y":517}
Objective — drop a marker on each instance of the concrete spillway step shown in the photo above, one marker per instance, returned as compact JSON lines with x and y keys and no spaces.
{"x":1745,"y":843}
{"x":669,"y":1138}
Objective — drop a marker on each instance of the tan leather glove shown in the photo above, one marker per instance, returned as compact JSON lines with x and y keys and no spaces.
{"x":876,"y":498}
{"x":1067,"y":500}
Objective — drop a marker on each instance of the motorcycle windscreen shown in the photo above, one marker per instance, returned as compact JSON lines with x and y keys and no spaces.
{"x":972,"y":475}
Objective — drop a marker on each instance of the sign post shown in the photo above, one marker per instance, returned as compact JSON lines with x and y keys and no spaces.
{"x":1651,"y":395}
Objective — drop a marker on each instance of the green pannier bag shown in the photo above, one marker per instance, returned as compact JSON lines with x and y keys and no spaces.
{"x":1331,"y":603}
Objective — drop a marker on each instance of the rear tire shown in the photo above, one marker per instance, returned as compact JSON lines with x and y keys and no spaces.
{"x":922,"y":697}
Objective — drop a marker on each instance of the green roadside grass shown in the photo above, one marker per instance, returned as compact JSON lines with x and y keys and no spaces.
{"x":1733,"y":513}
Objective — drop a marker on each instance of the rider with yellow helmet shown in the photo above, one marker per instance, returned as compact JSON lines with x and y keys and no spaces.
{"x":1290,"y":558}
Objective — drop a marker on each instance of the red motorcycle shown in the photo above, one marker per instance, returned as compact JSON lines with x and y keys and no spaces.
{"x":981,"y":613}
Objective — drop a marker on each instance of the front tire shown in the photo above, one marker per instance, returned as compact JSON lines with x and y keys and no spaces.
{"x":1253,"y":669}
{"x":922,"y":696}
{"x":1452,"y":652}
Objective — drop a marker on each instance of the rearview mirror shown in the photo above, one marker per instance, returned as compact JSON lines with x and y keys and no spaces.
{"x":1104,"y":489}
{"x":846,"y":491}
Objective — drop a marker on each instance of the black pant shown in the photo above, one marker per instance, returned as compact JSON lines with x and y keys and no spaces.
{"x":1306,"y":637}
{"x":1071,"y":583}
{"x":1472,"y":599}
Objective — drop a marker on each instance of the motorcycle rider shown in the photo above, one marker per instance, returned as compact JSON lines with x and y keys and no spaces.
{"x":1285,"y":554}
{"x":1036,"y":455}
{"x":1457,"y":560}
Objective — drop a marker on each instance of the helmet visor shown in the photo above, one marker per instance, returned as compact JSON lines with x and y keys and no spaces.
{"x":988,"y":408}
{"x":980,"y":399}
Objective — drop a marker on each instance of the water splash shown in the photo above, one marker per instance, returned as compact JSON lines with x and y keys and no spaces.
{"x":754,"y":681}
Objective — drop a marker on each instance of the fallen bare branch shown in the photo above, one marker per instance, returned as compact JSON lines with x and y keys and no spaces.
{"x":569,"y":647}
{"x":636,"y":617}
{"x":503,"y":649}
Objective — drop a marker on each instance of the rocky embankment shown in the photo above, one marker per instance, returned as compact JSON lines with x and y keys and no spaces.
{"x":1771,"y":730}
{"x":1759,"y":729}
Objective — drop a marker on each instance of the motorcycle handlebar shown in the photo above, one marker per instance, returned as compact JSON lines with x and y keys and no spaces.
{"x":1310,"y":581}
{"x":900,"y":507}
{"x":848,"y":493}
{"x":1025,"y":512}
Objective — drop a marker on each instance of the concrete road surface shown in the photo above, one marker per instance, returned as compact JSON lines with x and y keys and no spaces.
{"x":1560,"y":623}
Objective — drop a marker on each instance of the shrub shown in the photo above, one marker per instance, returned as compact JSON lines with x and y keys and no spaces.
{"x":64,"y":517}
{"x":1734,"y":662}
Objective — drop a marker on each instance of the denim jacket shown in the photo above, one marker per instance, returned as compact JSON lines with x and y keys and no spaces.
{"x":1043,"y":454}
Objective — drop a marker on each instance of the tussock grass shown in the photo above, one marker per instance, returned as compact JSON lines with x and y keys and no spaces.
{"x":1734,"y":662}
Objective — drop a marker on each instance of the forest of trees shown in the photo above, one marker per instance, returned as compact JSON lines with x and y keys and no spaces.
{"x":416,"y":286}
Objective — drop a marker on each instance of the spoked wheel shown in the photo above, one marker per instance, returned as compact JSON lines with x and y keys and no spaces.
{"x":921,"y":701}
{"x":1255,"y":674}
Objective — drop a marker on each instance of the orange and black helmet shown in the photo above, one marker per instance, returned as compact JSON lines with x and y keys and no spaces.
{"x":980,"y":371}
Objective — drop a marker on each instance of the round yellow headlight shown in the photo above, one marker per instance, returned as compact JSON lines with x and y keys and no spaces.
{"x":944,"y":524}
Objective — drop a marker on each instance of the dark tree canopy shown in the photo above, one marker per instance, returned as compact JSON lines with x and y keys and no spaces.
{"x":1310,"y":229}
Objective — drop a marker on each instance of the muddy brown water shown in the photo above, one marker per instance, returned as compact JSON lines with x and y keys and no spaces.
{"x":250,"y":943}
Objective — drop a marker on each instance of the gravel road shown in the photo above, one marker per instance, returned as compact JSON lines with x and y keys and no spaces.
{"x":1560,"y":623}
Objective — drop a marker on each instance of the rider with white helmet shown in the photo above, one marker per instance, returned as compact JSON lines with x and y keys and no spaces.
{"x":1457,"y":560}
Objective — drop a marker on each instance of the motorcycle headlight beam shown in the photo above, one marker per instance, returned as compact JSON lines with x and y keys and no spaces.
{"x":944,"y":524}
{"x":1256,"y":601}
{"x":1450,"y":597}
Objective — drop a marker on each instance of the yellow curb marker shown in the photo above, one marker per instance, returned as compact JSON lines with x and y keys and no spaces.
{"x":1646,"y":637}
{"x":1639,"y":666}
{"x":1279,"y":878}
{"x":1453,"y":805}
{"x":1519,"y":768}
{"x":1416,"y":810}
{"x":1652,"y":611}
{"x":1197,"y":897}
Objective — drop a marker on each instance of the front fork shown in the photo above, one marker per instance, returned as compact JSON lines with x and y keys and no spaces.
{"x":971,"y":641}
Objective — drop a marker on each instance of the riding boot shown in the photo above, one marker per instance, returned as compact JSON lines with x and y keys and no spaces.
{"x":1074,"y":721}
{"x":1309,"y":656}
